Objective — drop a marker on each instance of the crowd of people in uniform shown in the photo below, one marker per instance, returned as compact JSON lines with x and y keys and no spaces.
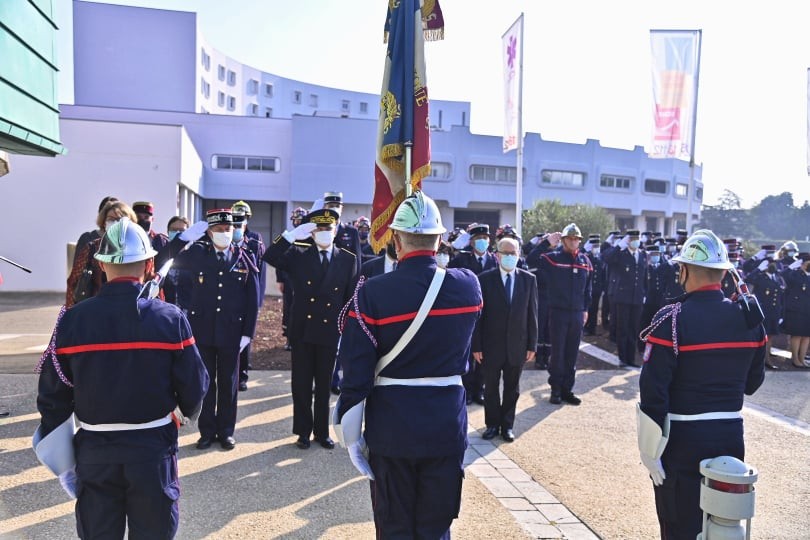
{"x":501,"y":303}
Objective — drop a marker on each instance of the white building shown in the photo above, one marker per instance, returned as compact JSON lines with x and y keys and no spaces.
{"x":161,"y":115}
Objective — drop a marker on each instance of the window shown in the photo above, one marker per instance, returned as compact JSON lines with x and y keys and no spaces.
{"x":681,"y":190}
{"x":655,"y":186}
{"x":253,"y":86}
{"x":440,"y":119}
{"x":562,"y":178}
{"x":268,"y":89}
{"x":490,"y":173}
{"x":345,"y":105}
{"x":699,"y":194}
{"x":221,"y":99}
{"x":611,"y":181}
{"x":231,"y":78}
{"x":246,"y":163}
{"x":231,"y":103}
{"x":205,"y":60}
{"x":313,"y":100}
{"x":221,"y":73}
{"x":363,"y":107}
{"x":254,"y":109}
{"x":205,"y":88}
{"x":440,"y":170}
{"x":297,"y":97}
{"x":268,"y":112}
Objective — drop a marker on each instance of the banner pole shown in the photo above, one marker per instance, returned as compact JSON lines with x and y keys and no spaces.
{"x":519,"y":176}
{"x":691,"y":192}
{"x":408,"y":164}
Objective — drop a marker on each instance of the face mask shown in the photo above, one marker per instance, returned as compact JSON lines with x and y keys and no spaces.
{"x":173,"y":235}
{"x":481,"y":245}
{"x":442,"y":259}
{"x":595,"y":252}
{"x":791,"y":253}
{"x":509,"y":262}
{"x":363,"y":235}
{"x":655,"y":260}
{"x":635,"y":243}
{"x":222,"y":239}
{"x":238,"y":234}
{"x":109,"y":223}
{"x":323,"y":238}
{"x":145,"y":225}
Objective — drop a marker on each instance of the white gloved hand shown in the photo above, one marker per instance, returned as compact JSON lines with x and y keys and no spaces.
{"x":358,"y":453}
{"x":195,"y":232}
{"x":760,"y":254}
{"x":609,"y":239}
{"x":462,"y":241}
{"x":243,"y":342}
{"x":68,"y":479}
{"x":301,"y":232}
{"x":624,"y":242}
{"x":317,"y":205}
{"x":534,"y":240}
{"x":762,"y":266}
{"x":656,"y":469}
{"x":795,"y":264}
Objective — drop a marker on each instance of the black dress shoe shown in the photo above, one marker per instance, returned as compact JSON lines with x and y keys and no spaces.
{"x":204,"y":443}
{"x":508,"y":435}
{"x":555,"y":399}
{"x":479,"y":398}
{"x":228,"y":443}
{"x":540,"y":364}
{"x":335,"y":390}
{"x":774,"y":367}
{"x":302,"y":443}
{"x":571,"y":399}
{"x":242,"y":386}
{"x":327,"y":443}
{"x":490,"y":433}
{"x":287,"y":347}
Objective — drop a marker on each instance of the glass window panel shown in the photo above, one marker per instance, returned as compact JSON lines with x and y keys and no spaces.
{"x":254,"y":164}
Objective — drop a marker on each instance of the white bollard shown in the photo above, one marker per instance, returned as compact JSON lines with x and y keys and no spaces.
{"x":726,"y":498}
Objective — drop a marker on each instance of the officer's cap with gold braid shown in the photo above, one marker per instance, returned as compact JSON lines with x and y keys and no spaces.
{"x":219,"y":216}
{"x":325,"y":217}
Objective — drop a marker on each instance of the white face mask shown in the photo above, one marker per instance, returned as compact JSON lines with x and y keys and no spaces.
{"x":222,"y":239}
{"x":509,"y":262}
{"x":109,"y":223}
{"x":323,"y":238}
{"x":442,"y":259}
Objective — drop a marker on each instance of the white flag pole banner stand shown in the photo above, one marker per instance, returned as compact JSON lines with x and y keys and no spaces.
{"x":512,"y":54}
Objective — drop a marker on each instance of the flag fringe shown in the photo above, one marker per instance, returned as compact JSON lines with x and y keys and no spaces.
{"x":387,"y":215}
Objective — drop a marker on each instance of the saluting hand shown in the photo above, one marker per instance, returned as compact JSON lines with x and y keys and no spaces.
{"x":301,"y":232}
{"x":554,"y":239}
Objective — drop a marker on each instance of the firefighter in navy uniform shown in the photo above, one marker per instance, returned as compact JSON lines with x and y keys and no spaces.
{"x":656,"y":276}
{"x":593,"y":251}
{"x":727,"y":285}
{"x":769,"y":286}
{"x":285,"y":284}
{"x":145,"y":211}
{"x":411,"y":389}
{"x":568,"y":274}
{"x":702,"y":355}
{"x":363,"y":226}
{"x":224,"y":305}
{"x":251,"y":241}
{"x":542,"y":357}
{"x":122,"y":365}
{"x":323,"y":278}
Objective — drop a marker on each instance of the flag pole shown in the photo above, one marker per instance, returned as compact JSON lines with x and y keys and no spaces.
{"x":691,"y":191}
{"x":519,"y":176}
{"x":408,"y":165}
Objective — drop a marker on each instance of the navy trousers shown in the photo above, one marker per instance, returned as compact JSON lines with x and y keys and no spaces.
{"x":244,"y":362}
{"x":142,"y":496}
{"x":628,"y":319}
{"x":566,"y":333}
{"x":473,"y":380}
{"x":416,"y":498}
{"x":500,"y":413}
{"x":218,"y":415}
{"x":311,"y":364}
{"x":677,"y":501}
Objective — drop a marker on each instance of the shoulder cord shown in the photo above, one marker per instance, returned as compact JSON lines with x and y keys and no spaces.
{"x":50,"y":353}
{"x":670,"y":310}
{"x":344,"y":312}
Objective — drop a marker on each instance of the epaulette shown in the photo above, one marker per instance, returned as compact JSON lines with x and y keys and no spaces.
{"x":301,"y":244}
{"x":347,"y":251}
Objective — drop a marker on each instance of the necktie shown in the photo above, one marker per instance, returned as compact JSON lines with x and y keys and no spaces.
{"x":508,"y":286}
{"x":394,"y":266}
{"x":324,"y":261}
{"x":481,"y":261}
{"x":220,"y":257}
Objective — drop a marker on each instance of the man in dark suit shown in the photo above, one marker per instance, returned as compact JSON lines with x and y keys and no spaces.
{"x":380,"y":265}
{"x":323,"y":277}
{"x":505,"y":336}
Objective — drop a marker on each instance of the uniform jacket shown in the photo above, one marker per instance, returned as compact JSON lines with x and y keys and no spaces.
{"x":373,"y":267}
{"x":223,"y":297}
{"x":567,"y":278}
{"x":411,"y":421}
{"x":318,"y":299}
{"x":628,"y":278}
{"x":719,"y":359}
{"x":469,"y":260}
{"x":669,"y":277}
{"x":255,"y":243}
{"x":770,"y":291}
{"x":656,"y":277}
{"x":506,"y":331}
{"x":348,"y":238}
{"x":797,"y":294}
{"x":126,"y":367}
{"x":598,"y":283}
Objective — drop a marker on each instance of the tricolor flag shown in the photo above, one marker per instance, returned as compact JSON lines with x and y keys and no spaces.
{"x":675,"y":71}
{"x":403,"y":109}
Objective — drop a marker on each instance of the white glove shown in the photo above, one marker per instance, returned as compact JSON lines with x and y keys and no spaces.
{"x":317,"y":205}
{"x":301,"y":232}
{"x":535,"y":240}
{"x":624,"y":242}
{"x":68,"y":479}
{"x":644,"y":239}
{"x":243,"y":342}
{"x":358,"y":453}
{"x":762,"y":266}
{"x":795,"y":264}
{"x":195,"y":232}
{"x":609,"y":239}
{"x":656,"y":469}
{"x":760,"y":254}
{"x":462,"y":241}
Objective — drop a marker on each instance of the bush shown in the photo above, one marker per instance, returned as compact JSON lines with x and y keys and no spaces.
{"x":552,"y":215}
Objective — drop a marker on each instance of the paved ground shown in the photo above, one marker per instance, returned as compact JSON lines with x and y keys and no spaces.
{"x":573,"y":472}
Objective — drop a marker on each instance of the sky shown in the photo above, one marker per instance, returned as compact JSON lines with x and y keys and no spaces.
{"x":587,"y":70}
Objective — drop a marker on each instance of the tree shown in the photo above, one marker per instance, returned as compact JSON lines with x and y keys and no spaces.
{"x":551,"y":215}
{"x":775,"y":215}
{"x":728,"y":218}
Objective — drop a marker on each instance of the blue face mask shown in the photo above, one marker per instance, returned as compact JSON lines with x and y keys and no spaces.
{"x":655,"y":260}
{"x":481,"y":245}
{"x":509,"y":262}
{"x":238,"y":234}
{"x":173,"y":235}
{"x":634,"y":244}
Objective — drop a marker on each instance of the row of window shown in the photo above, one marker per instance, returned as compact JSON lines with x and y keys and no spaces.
{"x":508,"y":175}
{"x":246,"y":163}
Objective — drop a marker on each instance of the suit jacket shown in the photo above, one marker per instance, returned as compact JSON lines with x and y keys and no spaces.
{"x":506,"y":331}
{"x":374,"y":267}
{"x":468,"y":260}
{"x":628,"y":278}
{"x":318,"y":298}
